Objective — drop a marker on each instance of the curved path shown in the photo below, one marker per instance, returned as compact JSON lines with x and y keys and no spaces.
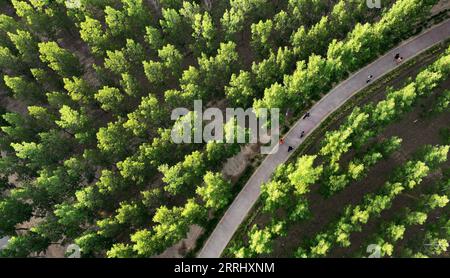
{"x":245,"y":200}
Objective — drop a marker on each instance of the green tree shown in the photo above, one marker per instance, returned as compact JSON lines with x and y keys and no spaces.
{"x":110,"y":99}
{"x":153,"y":38}
{"x":233,"y":19}
{"x":204,"y":34}
{"x":275,"y":194}
{"x":121,"y":250}
{"x":261,"y":36}
{"x":51,"y":148}
{"x":91,"y":32}
{"x":130,"y":85}
{"x":146,"y":117}
{"x":183,"y":176}
{"x":13,"y":212}
{"x":19,"y":127}
{"x":7,"y":59}
{"x":113,"y":140}
{"x":116,"y":21}
{"x":171,"y":59}
{"x":434,"y":156}
{"x":71,"y":218}
{"x":42,"y":115}
{"x":59,"y":59}
{"x":23,"y":89}
{"x":79,"y":90}
{"x":274,"y":97}
{"x":76,"y":122}
{"x":126,"y":59}
{"x":240,"y":91}
{"x":174,"y":27}
{"x":305,"y":174}
{"x":133,"y":214}
{"x":116,"y":62}
{"x":217,"y":152}
{"x":216,"y":192}
{"x":7,"y":24}
{"x":90,"y":242}
{"x":443,"y":102}
{"x":261,"y":240}
{"x":26,"y":45}
{"x":144,"y":243}
{"x":22,"y":246}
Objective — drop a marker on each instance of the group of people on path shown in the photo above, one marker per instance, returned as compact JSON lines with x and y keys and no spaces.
{"x":302,"y":134}
{"x":397,"y":58}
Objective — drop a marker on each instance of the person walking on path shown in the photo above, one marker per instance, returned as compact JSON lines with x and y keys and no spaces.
{"x":281,"y":141}
{"x":290,"y":149}
{"x":307,"y":115}
{"x":398,"y":59}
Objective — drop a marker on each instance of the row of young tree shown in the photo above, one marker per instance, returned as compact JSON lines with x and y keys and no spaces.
{"x":305,"y":37}
{"x":291,"y":182}
{"x":425,"y":207}
{"x":406,"y":177}
{"x":287,"y":191}
{"x":312,"y":79}
{"x":367,"y":122}
{"x":433,"y":242}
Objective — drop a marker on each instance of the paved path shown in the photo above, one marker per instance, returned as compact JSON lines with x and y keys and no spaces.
{"x":245,"y":200}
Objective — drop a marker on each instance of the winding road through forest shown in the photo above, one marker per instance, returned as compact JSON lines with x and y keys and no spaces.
{"x":248,"y":196}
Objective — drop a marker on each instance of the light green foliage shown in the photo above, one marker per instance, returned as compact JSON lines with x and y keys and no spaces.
{"x":204,"y":33}
{"x":110,"y":99}
{"x":215,"y":191}
{"x":59,"y":59}
{"x":146,"y":117}
{"x":23,"y":88}
{"x":91,"y":31}
{"x":26,"y":45}
{"x":261,"y":33}
{"x":113,"y":139}
{"x":184,"y":176}
{"x":78,"y":89}
{"x":305,"y":174}
{"x":240,"y":90}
